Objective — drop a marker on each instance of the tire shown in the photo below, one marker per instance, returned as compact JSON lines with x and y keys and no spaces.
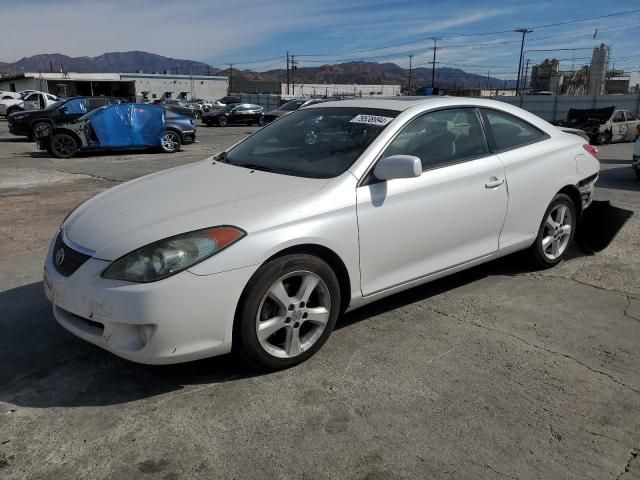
{"x":555,"y":233}
{"x":170,"y":142}
{"x":261,"y":122}
{"x":283,"y":321}
{"x":64,"y":145}
{"x":604,"y":138}
{"x":222,"y":121}
{"x":40,"y":129}
{"x":197,"y":114}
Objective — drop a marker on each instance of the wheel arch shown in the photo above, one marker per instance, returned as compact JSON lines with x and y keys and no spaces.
{"x":320,"y":251}
{"x":175,"y":130}
{"x":71,"y":133}
{"x":574,"y":194}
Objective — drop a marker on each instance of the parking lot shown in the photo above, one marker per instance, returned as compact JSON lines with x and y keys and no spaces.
{"x":497,"y":372}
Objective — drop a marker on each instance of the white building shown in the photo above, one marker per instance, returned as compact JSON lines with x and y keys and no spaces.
{"x":146,"y":86}
{"x":335,"y":90}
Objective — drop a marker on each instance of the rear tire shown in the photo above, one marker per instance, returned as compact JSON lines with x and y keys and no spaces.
{"x":170,"y":142}
{"x":63,"y":145}
{"x":287,"y":311}
{"x":555,"y":233}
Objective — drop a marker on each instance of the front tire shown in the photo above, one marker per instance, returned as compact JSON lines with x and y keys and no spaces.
{"x":222,"y":121}
{"x":64,"y":145}
{"x":556,"y":232}
{"x":170,"y":142}
{"x":287,"y":312}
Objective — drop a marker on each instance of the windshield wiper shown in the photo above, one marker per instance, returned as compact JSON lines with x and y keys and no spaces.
{"x":253,"y":166}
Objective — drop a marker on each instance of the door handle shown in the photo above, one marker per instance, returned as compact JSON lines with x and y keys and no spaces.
{"x":494,"y":182}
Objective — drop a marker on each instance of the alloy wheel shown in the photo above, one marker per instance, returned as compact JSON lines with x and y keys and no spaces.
{"x":293,"y":314}
{"x":41,"y":130}
{"x":170,"y":142}
{"x":557,"y":231}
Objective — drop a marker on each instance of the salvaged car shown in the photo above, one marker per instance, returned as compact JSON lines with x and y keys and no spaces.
{"x":603,"y":125}
{"x":36,"y":123}
{"x":28,"y":100}
{"x":124,"y":126}
{"x":261,"y":248}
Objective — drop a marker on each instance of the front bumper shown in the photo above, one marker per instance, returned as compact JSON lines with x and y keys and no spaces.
{"x":178,"y":319}
{"x":188,"y":136}
{"x":16,"y":128}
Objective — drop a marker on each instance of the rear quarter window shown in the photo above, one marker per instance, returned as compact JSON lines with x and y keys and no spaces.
{"x":508,"y":132}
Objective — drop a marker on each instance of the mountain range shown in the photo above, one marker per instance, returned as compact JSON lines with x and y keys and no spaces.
{"x":342,"y":73}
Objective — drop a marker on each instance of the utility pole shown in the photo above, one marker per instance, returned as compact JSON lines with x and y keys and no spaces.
{"x":526,"y":73}
{"x":488,"y":83}
{"x":288,"y":81}
{"x":293,"y":77}
{"x":230,"y":78}
{"x":524,"y":32}
{"x":433,"y":63}
{"x":410,"y":58}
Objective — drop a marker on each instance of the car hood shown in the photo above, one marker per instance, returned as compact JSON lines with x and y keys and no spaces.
{"x":183,"y":199}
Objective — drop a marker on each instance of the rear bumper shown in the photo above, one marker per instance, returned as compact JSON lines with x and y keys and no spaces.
{"x":586,"y":186}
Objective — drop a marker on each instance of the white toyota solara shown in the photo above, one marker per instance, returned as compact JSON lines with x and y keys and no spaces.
{"x":260,"y":248}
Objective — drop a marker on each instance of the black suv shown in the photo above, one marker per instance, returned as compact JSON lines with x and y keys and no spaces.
{"x":37,"y":123}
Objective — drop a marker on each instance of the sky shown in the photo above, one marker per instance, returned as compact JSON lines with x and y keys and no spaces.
{"x":476,"y":36}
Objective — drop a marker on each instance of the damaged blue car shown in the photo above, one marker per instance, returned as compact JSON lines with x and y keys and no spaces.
{"x":121,"y":127}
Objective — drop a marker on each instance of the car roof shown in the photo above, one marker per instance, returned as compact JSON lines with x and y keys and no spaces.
{"x":403,"y":103}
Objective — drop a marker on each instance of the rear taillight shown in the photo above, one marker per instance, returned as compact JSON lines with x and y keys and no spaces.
{"x":592,"y":150}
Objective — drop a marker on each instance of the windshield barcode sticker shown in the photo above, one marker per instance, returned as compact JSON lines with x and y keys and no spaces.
{"x":371,"y":119}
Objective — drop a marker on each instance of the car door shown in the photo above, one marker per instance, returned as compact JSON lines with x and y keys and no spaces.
{"x":618,"y":126}
{"x":450,"y":215}
{"x":632,"y":122}
{"x":33,"y":101}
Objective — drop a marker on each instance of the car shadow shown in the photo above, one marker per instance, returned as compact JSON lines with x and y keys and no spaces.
{"x":14,"y":140}
{"x":44,"y":366}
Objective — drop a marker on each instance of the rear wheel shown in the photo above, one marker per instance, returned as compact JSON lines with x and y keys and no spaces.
{"x":288,"y":311}
{"x":64,"y":145}
{"x":555,"y":233}
{"x":170,"y":142}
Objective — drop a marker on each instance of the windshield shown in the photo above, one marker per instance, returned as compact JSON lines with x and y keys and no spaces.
{"x":230,"y":106}
{"x":54,"y":105}
{"x":312,"y":143}
{"x":292,"y":105}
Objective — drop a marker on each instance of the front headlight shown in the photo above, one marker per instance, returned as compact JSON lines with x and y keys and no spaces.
{"x":167,"y":257}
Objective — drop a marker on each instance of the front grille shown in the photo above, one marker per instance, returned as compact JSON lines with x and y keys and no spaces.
{"x":71,"y":259}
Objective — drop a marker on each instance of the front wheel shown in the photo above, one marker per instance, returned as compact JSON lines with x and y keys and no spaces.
{"x":555,"y":233}
{"x":170,"y":142}
{"x":604,"y":138}
{"x":39,"y":130}
{"x":288,"y":311}
{"x":222,"y":121}
{"x":197,"y":115}
{"x":63,"y":145}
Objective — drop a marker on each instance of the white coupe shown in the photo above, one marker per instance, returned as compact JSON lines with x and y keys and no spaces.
{"x":261,"y":248}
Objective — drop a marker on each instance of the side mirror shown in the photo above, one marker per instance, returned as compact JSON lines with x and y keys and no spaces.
{"x":398,"y":166}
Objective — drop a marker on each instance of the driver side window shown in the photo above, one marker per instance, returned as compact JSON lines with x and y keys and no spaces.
{"x":441,"y":138}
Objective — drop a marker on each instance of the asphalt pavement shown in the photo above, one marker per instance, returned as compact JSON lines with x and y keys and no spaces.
{"x":497,"y":372}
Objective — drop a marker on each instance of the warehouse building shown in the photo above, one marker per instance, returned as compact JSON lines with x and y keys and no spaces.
{"x":140,"y":86}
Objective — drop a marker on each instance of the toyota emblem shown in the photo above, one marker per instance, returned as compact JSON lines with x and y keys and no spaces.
{"x":59,"y":256}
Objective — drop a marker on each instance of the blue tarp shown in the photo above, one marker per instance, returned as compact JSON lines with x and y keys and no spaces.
{"x":129,"y":125}
{"x":77,"y":105}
